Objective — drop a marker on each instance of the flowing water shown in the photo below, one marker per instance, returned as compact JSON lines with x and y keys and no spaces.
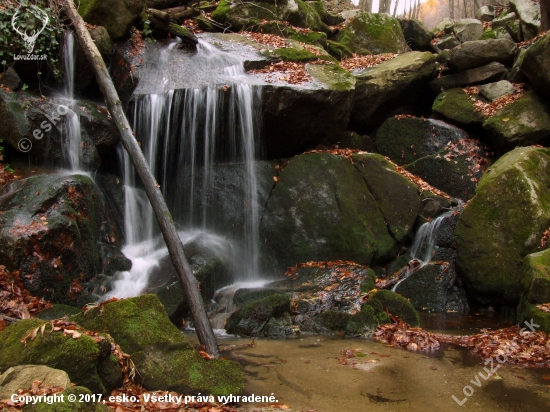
{"x":187,"y":135}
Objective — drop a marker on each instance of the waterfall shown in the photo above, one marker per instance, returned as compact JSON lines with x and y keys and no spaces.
{"x":185,"y":136}
{"x":72,"y":140}
{"x":423,"y":245}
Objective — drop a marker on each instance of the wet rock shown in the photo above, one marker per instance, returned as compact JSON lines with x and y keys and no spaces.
{"x":522,"y":123}
{"x":502,"y":224}
{"x":391,"y":84}
{"x":373,"y":33}
{"x":489,"y":73}
{"x":22,"y":377}
{"x":431,"y":206}
{"x":254,"y":317}
{"x":477,"y":53}
{"x":11,"y":80}
{"x":529,"y":312}
{"x":433,"y":288}
{"x":456,"y":106}
{"x":87,"y":362}
{"x":58,"y":311}
{"x":362,"y":324}
{"x":493,"y":91}
{"x":321,"y":209}
{"x":117,"y":16}
{"x":160,"y":352}
{"x":468,"y":29}
{"x":51,"y":232}
{"x":409,"y":139}
{"x":534,"y":64}
{"x":329,"y":321}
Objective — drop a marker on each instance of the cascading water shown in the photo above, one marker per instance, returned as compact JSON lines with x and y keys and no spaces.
{"x":185,"y":136}
{"x":423,"y":246}
{"x":72,"y":137}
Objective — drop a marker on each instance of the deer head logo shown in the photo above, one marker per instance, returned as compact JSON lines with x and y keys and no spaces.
{"x":30,"y":34}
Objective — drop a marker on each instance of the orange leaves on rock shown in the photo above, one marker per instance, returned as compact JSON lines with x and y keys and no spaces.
{"x":35,"y":227}
{"x":361,"y":62}
{"x":402,"y":335}
{"x":545,"y":307}
{"x":489,"y":109}
{"x":544,"y":239}
{"x":289,"y":72}
{"x":15,"y":300}
{"x":74,"y":289}
{"x":5,"y":175}
{"x":37,"y":389}
{"x":422,"y":185}
{"x":270,"y":40}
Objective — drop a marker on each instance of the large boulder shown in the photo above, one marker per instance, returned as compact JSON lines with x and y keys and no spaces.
{"x":456,"y":106}
{"x":528,"y":12}
{"x":493,"y":91}
{"x":503,"y":223}
{"x":455,"y":169}
{"x":408,"y":139}
{"x":52,"y":226}
{"x":477,"y":53}
{"x":417,"y":36}
{"x":391,"y":84}
{"x":87,"y":361}
{"x":163,"y":357}
{"x":486,"y":13}
{"x":521,"y":123}
{"x":468,"y":29}
{"x":536,"y":277}
{"x":396,"y":196}
{"x":321,"y":209}
{"x":117,"y":16}
{"x":534,"y":65}
{"x":373,"y":33}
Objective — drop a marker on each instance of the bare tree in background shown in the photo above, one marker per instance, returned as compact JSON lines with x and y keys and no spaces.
{"x":544,"y":15}
{"x":384,"y":6}
{"x":365,"y":5}
{"x":395,"y":7}
{"x":418,"y":5}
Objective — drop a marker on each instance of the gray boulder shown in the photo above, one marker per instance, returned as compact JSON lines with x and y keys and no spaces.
{"x":456,"y":106}
{"x":390,"y":85}
{"x":490,"y":72}
{"x":534,"y":65}
{"x":22,"y":377}
{"x":529,"y":15}
{"x":522,"y":123}
{"x":486,"y":13}
{"x":417,"y":36}
{"x":468,"y":29}
{"x":473,"y":54}
{"x":447,"y":42}
{"x":493,"y":91}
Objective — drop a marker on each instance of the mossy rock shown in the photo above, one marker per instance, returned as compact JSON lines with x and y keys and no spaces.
{"x":338,"y":50}
{"x":373,"y":33}
{"x":362,"y":323}
{"x":397,"y":305}
{"x":503,"y":223}
{"x":68,"y":406}
{"x":528,"y":312}
{"x":116,"y":16}
{"x":321,"y":210}
{"x":49,"y":217}
{"x":535,"y":65}
{"x":330,"y":321}
{"x":397,"y":197}
{"x":456,"y":106}
{"x":163,"y":357}
{"x":244,"y":296}
{"x":522,"y":123}
{"x":303,"y":14}
{"x":253,"y":317}
{"x":369,"y":281}
{"x":81,"y":358}
{"x":332,"y":76}
{"x":313,"y":37}
{"x":536,"y":277}
{"x":289,"y":54}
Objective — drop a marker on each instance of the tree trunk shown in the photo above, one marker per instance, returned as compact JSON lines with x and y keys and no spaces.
{"x":395,"y":7}
{"x":418,"y":5}
{"x":164,"y":218}
{"x":544,"y":15}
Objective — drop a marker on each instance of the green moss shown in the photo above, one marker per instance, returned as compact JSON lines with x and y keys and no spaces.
{"x":397,"y":305}
{"x":290,"y":54}
{"x":362,"y":323}
{"x":338,"y":50}
{"x":488,"y":34}
{"x":78,"y":357}
{"x":457,"y":107}
{"x":332,"y":75}
{"x":536,"y":277}
{"x":333,"y":320}
{"x":220,"y":14}
{"x":244,"y":297}
{"x":530,"y":313}
{"x":368,"y":281}
{"x":259,"y":312}
{"x":58,"y":311}
{"x":313,"y":37}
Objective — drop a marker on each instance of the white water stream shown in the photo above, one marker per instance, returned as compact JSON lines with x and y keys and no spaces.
{"x":185,"y":135}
